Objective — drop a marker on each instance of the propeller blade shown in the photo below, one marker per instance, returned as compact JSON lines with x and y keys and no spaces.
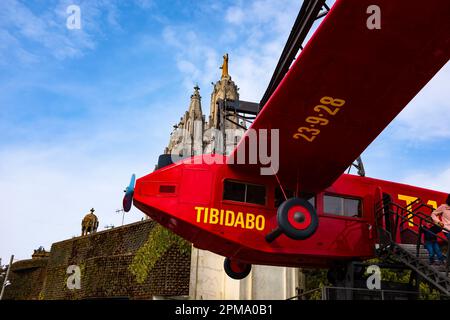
{"x":129,"y":191}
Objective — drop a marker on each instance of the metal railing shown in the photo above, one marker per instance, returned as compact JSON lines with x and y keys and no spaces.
{"x":389,"y":215}
{"x":342,"y":293}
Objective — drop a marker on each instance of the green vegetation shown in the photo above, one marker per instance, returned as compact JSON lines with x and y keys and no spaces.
{"x":317,"y":278}
{"x":159,"y":241}
{"x":426,"y":292}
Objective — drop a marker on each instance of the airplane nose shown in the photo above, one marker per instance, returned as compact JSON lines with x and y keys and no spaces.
{"x":129,"y":192}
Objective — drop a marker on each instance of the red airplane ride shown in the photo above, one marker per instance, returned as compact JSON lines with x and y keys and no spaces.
{"x":347,"y":84}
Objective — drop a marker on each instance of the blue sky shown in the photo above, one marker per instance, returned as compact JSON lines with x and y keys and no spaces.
{"x":80,"y":110}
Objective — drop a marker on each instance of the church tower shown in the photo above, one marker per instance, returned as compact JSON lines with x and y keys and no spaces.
{"x":195,"y":123}
{"x":187,"y":134}
{"x":195,"y":107}
{"x":223,"y":89}
{"x":193,"y":135}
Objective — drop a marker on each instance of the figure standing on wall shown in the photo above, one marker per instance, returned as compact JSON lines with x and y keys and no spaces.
{"x":89,"y":223}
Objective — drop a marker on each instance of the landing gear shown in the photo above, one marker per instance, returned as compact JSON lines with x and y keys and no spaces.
{"x":296,"y":218}
{"x":236,"y":269}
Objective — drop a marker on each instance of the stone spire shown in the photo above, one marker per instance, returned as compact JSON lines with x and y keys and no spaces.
{"x":225,"y":88}
{"x":195,"y":107}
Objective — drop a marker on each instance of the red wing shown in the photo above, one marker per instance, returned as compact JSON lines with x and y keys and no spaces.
{"x":349,"y":83}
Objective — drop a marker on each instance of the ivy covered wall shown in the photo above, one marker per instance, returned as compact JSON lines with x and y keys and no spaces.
{"x":136,"y":261}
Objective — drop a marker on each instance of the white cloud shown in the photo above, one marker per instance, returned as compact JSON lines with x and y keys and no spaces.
{"x":145,"y":4}
{"x":195,"y":59}
{"x":48,"y":191}
{"x":10,"y":49}
{"x":254,"y":38}
{"x":427,"y":116}
{"x":47,"y":186}
{"x":438,"y":180}
{"x":235,"y":15}
{"x":46,"y":35}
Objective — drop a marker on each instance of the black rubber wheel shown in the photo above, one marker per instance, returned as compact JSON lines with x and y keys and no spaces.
{"x":235,"y":269}
{"x":297,"y":218}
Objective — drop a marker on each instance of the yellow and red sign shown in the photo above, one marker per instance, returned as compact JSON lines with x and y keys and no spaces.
{"x":229,"y":218}
{"x":409,"y":200}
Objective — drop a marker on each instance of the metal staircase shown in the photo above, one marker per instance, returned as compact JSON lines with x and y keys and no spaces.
{"x":392,"y":222}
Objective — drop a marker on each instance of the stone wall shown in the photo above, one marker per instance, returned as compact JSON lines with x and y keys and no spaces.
{"x":104,"y":259}
{"x":27,"y":279}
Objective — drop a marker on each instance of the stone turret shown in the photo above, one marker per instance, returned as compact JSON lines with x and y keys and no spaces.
{"x":224,"y":88}
{"x":195,"y":107}
{"x":189,"y":128}
{"x":191,"y":135}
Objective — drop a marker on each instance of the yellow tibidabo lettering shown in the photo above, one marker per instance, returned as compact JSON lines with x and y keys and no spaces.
{"x":205,"y":218}
{"x":199,"y":212}
{"x":408,"y":201}
{"x":250,"y":223}
{"x":221,"y":217}
{"x":260,"y":223}
{"x":240,"y":220}
{"x":432,"y":203}
{"x":213,"y":216}
{"x":230,"y":219}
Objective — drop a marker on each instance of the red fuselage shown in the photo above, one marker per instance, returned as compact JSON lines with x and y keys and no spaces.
{"x":189,"y":200}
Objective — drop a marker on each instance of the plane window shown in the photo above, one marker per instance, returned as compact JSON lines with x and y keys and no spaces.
{"x":243,"y":192}
{"x":279,"y":197}
{"x":256,"y":194}
{"x":166,"y":189}
{"x":342,"y":206}
{"x":234,"y":191}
